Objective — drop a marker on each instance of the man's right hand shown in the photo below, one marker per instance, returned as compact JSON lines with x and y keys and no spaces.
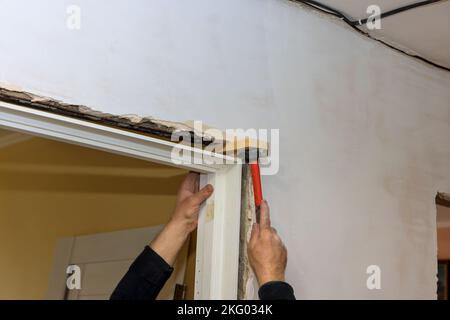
{"x":267,"y":253}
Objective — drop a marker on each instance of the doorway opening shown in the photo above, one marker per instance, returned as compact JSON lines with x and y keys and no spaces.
{"x":217,"y":246}
{"x":63,"y":204}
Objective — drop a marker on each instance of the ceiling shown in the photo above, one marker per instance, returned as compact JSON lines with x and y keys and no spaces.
{"x":424,"y":30}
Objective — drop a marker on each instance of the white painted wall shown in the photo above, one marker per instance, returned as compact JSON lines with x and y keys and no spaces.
{"x":364,"y":130}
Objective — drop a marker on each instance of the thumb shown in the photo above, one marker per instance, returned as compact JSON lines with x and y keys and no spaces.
{"x":264,"y":219}
{"x":202,"y":195}
{"x":255,"y":232}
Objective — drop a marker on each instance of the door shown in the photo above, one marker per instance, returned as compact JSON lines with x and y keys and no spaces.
{"x":103,"y":259}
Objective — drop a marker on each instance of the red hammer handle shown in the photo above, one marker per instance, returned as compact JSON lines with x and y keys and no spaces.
{"x":256,"y":178}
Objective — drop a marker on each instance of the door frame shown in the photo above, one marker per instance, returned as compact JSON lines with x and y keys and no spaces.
{"x":216,"y":274}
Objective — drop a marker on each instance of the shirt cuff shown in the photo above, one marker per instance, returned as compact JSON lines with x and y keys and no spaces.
{"x":276,"y":290}
{"x":150,"y":266}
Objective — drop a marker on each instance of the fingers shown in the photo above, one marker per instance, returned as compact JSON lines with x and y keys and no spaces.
{"x":189,"y":186}
{"x":255,"y":232}
{"x":191,"y":181}
{"x":202,"y":195}
{"x":264,"y":219}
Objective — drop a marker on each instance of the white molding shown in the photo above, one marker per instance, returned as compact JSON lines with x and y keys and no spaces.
{"x":218,"y":237}
{"x":219,"y":223}
{"x":70,"y":130}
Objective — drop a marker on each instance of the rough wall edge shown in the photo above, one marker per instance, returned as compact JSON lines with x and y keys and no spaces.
{"x":246,"y":284}
{"x":221,"y":144}
{"x":144,"y":125}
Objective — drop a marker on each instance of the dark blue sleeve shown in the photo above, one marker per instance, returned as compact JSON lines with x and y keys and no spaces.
{"x":276,"y":290}
{"x":145,"y":278}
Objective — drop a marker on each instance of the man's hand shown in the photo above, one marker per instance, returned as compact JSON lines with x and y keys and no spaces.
{"x":188,"y":204}
{"x":266,"y":252}
{"x":184,"y":219}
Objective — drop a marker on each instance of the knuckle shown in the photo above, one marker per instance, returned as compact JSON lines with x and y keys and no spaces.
{"x":191,"y":201}
{"x":267,"y":236}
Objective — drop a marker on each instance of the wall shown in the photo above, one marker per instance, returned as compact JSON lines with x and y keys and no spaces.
{"x":363,"y":128}
{"x":37,"y":206}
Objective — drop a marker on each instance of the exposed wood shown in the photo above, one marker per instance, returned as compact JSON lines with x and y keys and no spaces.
{"x":246,"y":149}
{"x":147,"y":125}
{"x":247,"y":205}
{"x":443,"y":199}
{"x":247,"y":286}
{"x":237,"y":143}
{"x":88,"y":134}
{"x":203,"y":136}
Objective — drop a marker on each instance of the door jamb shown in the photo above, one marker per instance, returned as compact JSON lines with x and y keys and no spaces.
{"x":219,"y":223}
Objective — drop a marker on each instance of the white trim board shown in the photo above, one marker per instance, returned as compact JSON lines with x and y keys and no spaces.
{"x":218,"y":237}
{"x":218,"y":229}
{"x":70,"y":130}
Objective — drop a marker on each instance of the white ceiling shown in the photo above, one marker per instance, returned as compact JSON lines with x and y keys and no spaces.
{"x":424,"y":30}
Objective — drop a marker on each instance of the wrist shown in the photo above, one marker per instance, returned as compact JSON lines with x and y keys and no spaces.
{"x":265,"y":278}
{"x":169,"y":241}
{"x":178,"y":229}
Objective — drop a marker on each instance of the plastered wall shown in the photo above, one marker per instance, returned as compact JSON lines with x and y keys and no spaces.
{"x":363,"y":130}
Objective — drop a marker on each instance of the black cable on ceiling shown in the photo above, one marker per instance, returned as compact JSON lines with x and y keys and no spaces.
{"x":399,"y":10}
{"x":356,"y":23}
